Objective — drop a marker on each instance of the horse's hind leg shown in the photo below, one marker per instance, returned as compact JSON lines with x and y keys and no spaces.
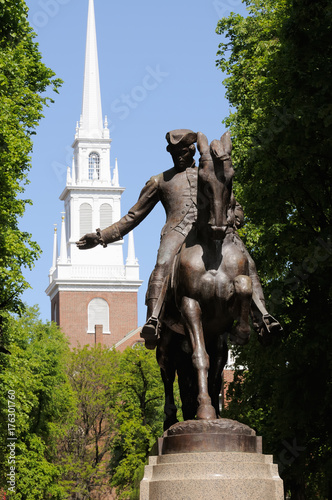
{"x":243,"y":296}
{"x":191,"y":313}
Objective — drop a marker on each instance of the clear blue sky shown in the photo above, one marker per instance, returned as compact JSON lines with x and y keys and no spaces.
{"x":176,"y":42}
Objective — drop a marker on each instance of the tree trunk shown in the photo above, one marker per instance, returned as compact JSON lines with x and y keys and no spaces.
{"x":329,"y":493}
{"x":297,"y":489}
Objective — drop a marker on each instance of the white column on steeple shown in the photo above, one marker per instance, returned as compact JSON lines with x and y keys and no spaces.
{"x":55,"y":254}
{"x":91,"y":120}
{"x":69,"y":179}
{"x":63,"y":243}
{"x":132,"y":267}
{"x":131,"y":259}
{"x":115,"y":180}
{"x":55,"y":247}
{"x":73,"y":171}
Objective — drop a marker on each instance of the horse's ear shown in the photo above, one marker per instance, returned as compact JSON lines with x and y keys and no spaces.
{"x":226,"y":141}
{"x":217,"y":150}
{"x":202,"y":143}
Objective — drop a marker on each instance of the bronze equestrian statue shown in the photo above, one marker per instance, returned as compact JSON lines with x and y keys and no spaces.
{"x":204,"y":278}
{"x":211,"y":287}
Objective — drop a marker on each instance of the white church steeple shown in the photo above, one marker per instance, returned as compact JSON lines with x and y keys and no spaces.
{"x":92,"y":199}
{"x":92,"y":139}
{"x":91,"y":118}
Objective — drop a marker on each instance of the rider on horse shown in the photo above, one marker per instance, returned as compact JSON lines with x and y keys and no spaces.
{"x":176,"y":188}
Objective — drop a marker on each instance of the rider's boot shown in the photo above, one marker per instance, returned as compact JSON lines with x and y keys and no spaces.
{"x":150,"y":331}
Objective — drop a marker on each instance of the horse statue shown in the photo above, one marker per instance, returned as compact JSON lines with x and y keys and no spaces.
{"x":213,"y":286}
{"x":209,"y":293}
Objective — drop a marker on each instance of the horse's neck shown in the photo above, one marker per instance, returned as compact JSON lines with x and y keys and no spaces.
{"x":212,"y":249}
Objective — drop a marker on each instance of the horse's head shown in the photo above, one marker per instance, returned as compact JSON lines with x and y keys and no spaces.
{"x":215,"y":176}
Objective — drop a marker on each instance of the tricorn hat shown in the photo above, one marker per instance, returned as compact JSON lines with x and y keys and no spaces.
{"x":182,"y":136}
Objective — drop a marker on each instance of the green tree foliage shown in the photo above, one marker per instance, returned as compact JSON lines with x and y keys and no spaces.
{"x":35,"y":390}
{"x":138,"y":414}
{"x":84,"y":420}
{"x":23,"y":81}
{"x":84,"y":449}
{"x":278,"y":69}
{"x":117,"y":417}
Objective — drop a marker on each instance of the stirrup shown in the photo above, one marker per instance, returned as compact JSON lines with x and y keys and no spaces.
{"x":271,"y":324}
{"x":149,"y":333}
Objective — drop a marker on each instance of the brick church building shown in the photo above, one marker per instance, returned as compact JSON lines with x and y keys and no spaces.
{"x":93,"y":293}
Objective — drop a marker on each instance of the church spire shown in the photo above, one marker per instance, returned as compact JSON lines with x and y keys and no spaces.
{"x":91,"y":120}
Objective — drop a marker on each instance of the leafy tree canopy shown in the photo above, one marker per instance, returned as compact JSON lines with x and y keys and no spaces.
{"x":84,"y":448}
{"x":278,"y":67}
{"x":23,"y":82}
{"x":138,"y":413}
{"x":116,"y":419}
{"x":34,"y":387}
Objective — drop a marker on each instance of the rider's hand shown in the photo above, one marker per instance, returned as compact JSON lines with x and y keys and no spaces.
{"x":88,"y":241}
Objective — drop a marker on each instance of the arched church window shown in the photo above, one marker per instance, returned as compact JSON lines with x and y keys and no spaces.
{"x":105,"y":215}
{"x":55,"y":319}
{"x":85,"y":219}
{"x":98,"y":314}
{"x":94,"y":166}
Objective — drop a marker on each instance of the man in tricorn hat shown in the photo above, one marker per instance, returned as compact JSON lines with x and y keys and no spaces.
{"x":177,"y":190}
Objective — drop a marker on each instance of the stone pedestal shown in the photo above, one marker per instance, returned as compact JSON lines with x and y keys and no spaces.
{"x":218,"y":460}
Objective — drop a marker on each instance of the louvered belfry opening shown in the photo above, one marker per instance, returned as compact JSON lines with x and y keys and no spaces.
{"x":85,"y":219}
{"x":105,"y":215}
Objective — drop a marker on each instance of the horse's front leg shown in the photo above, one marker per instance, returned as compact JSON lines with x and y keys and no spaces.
{"x":166,"y":361}
{"x":218,"y":359}
{"x":192,"y":315}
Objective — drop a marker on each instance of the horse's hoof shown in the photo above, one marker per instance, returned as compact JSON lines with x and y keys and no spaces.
{"x":206,"y":412}
{"x":169,"y":422}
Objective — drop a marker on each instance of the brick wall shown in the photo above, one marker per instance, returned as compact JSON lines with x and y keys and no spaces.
{"x":72,"y":315}
{"x":227,"y":376}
